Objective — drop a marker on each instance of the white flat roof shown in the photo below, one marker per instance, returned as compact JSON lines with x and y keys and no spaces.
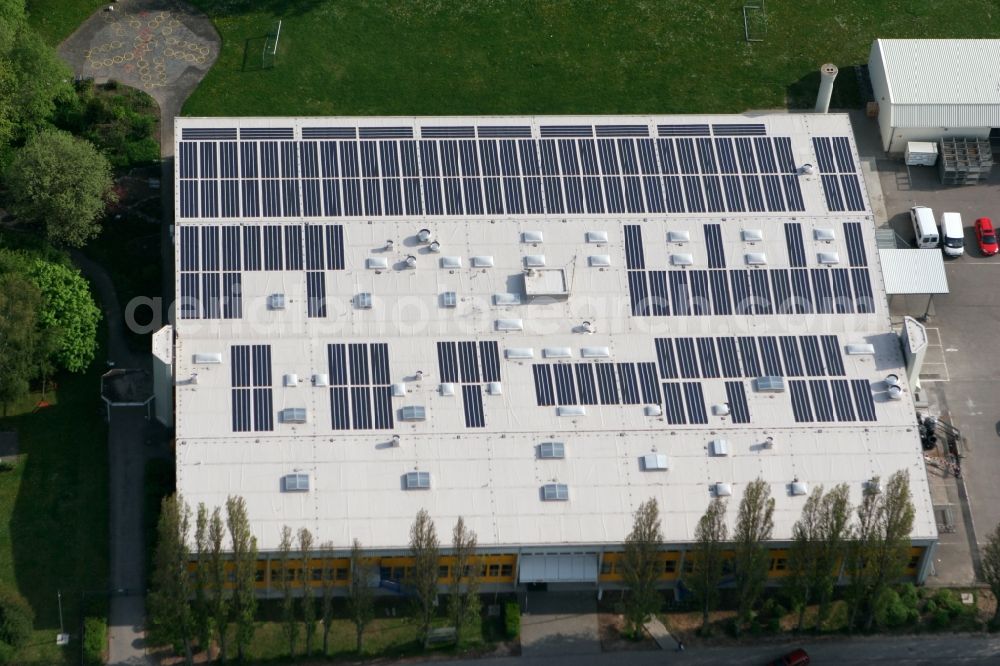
{"x":913,"y":271}
{"x":557,"y":306}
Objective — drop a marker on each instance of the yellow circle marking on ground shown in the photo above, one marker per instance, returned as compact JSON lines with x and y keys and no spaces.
{"x":166,"y":31}
{"x":118,"y":59}
{"x":108,"y":62}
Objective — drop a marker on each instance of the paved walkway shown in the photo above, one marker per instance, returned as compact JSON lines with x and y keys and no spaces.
{"x":163,"y":47}
{"x":560,"y":623}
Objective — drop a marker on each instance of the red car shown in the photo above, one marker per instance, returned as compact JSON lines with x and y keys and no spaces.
{"x":794,"y":658}
{"x":986,"y":236}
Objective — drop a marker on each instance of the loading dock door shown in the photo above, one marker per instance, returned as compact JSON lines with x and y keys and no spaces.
{"x":558,"y":569}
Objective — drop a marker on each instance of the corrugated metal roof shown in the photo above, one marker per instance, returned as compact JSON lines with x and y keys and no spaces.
{"x":941,"y":71}
{"x":913,"y":272}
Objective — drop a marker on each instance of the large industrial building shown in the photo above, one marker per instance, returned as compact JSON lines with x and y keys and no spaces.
{"x":535,"y":323}
{"x":928,"y":89}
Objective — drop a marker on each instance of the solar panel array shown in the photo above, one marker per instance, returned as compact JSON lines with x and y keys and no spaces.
{"x":838,"y":173}
{"x":250,"y":378}
{"x":212,"y":254}
{"x":684,"y":292}
{"x":595,"y":384}
{"x":568,"y":171}
{"x":360,"y":392}
{"x":470,"y":364}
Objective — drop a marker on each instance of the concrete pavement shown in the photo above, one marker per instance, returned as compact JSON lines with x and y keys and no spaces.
{"x":555,"y":624}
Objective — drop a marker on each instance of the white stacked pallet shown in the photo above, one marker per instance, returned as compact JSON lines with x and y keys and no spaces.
{"x":921,"y":153}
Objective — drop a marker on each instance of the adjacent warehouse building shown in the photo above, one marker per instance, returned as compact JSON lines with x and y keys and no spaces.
{"x":536,"y":323}
{"x":929,"y":89}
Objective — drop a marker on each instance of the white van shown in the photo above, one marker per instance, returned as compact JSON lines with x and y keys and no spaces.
{"x":924,"y":227}
{"x":952,"y":234}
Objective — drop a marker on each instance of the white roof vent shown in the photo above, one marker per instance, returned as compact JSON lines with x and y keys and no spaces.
{"x":722,"y":489}
{"x":600,"y":260}
{"x":411,"y":261}
{"x":295,"y":483}
{"x":377,"y":263}
{"x":321,"y":379}
{"x":551,"y":450}
{"x":447,"y":389}
{"x":679,"y":236}
{"x":799,"y":488}
{"x":532,"y":237}
{"x":276,"y":302}
{"x":481,"y":262}
{"x":506,"y":299}
{"x":681,"y":259}
{"x":534,"y":260}
{"x":413,"y":413}
{"x":652,"y":410}
{"x":363,"y":301}
{"x":721,"y":409}
{"x":571,"y":410}
{"x":555,"y":492}
{"x":771,"y":384}
{"x":434,"y":246}
{"x":291,"y":380}
{"x":425,"y":236}
{"x":293,"y":415}
{"x":557,"y":352}
{"x":417,"y":480}
{"x":595,"y":352}
{"x":655,"y":461}
{"x":519,"y":353}
{"x":718,"y":447}
{"x":895,"y":392}
{"x":399,"y":389}
{"x":860,"y":349}
{"x":829,"y":258}
{"x":451,"y":262}
{"x":824,"y":234}
{"x":208,"y":358}
{"x":597,"y":236}
{"x":752,"y":235}
{"x":510,"y":324}
{"x":755,"y":258}
{"x":449,"y":299}
{"x":494,"y":388}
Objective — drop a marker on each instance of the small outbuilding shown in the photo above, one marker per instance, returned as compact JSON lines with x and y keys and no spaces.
{"x":928,"y":89}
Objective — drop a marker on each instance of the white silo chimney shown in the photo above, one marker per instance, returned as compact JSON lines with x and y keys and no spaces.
{"x":827,"y":75}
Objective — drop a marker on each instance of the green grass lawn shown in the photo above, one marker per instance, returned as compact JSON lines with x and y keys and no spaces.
{"x":55,"y":20}
{"x":54,"y":508}
{"x":415,"y":57}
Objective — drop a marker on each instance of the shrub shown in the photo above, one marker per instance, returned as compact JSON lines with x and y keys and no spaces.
{"x":95,"y":639}
{"x":908,"y":595}
{"x":512,"y":619}
{"x":940,"y":619}
{"x":950,"y":603}
{"x":16,"y":618}
{"x":890,"y":610}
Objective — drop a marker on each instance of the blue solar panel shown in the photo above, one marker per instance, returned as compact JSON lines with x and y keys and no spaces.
{"x":770,"y":356}
{"x":459,"y":131}
{"x":232,"y":296}
{"x":842,"y":152}
{"x":638,"y":293}
{"x":241,"y":410}
{"x":694,"y":400}
{"x":842,"y":400}
{"x":721,"y":299}
{"x":490,"y":354}
{"x":800,"y":401}
{"x":740,"y":280}
{"x":783,"y":147}
{"x":693,"y":194}
{"x":734,"y":194}
{"x":796,"y":249}
{"x":765,"y":155}
{"x":834,"y":201}
{"x":707,"y":357}
{"x":447,"y":361}
{"x":334,"y":132}
{"x":822,"y":290}
{"x":772,"y":193}
{"x":472,"y":400}
{"x":803,"y":301}
{"x":673,"y":194}
{"x":586,"y":387}
{"x":831,"y":353}
{"x":700,"y":300}
{"x":754,"y":195}
{"x":761,"y":290}
{"x":810,"y":350}
{"x":673,"y":403}
{"x":210,"y":296}
{"x":863,"y":297}
{"x":852,"y":192}
{"x":713,"y":194}
{"x":782,"y":288}
{"x":680,"y":297}
{"x":728,"y":357}
{"x":382,"y":402}
{"x":744,"y":151}
{"x":738,"y":129}
{"x":751,"y":360}
{"x":544,"y":394}
{"x":843,"y":301}
{"x":793,"y":193}
{"x":686,"y":355}
{"x":340,"y":408}
{"x":824,"y":154}
{"x":736,"y":396}
{"x":567,"y":130}
{"x":683,"y":130}
{"x":855,"y":244}
{"x":468,"y":362}
{"x":380,"y":363}
{"x":649,"y":383}
{"x":495,"y":131}
{"x":361,"y":407}
{"x":358,"y":357}
{"x":606,"y":383}
{"x":822,"y":405}
{"x":337,"y":354}
{"x":628,"y":383}
{"x":863,"y":399}
{"x":665,"y":358}
{"x":790,"y":353}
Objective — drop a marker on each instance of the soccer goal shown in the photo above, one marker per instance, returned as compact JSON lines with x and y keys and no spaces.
{"x":270,"y":52}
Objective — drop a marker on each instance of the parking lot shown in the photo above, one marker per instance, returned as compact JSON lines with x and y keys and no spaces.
{"x":959,"y":376}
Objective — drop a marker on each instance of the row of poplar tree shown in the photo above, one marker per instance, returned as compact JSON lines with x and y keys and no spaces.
{"x":186,"y":609}
{"x":871,"y":551}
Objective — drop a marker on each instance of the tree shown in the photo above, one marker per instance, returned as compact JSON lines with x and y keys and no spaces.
{"x":19,"y":336}
{"x":642,"y":566}
{"x":819,"y":543}
{"x":16,"y":622}
{"x":754,"y":524}
{"x":169,"y":597}
{"x":307,"y":600}
{"x":286,"y":586}
{"x":61,"y":184}
{"x":327,"y":589}
{"x":360,"y":598}
{"x":710,"y":535}
{"x":991,"y":568}
{"x":219,"y":606}
{"x":244,"y":600}
{"x":202,"y":609}
{"x":69,"y":311}
{"x":463,"y":600}
{"x":424,"y":550}
{"x":882,"y":547}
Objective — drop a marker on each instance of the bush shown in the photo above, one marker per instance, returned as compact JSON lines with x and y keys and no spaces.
{"x":95,"y":639}
{"x":940,"y":619}
{"x":890,"y":610}
{"x":908,"y":595}
{"x":16,"y":619}
{"x":512,"y":619}
{"x":949,"y":602}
